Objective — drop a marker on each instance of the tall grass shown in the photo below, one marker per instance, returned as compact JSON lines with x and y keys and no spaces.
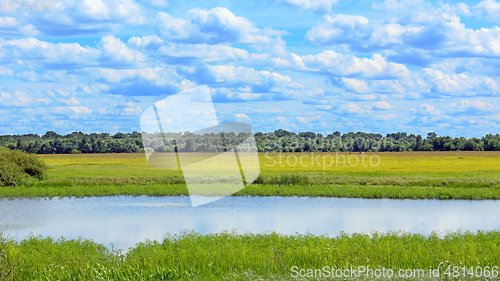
{"x":230,"y":256}
{"x":6,"y":266}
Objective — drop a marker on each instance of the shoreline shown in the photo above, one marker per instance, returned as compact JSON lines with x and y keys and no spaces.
{"x":326,"y":190}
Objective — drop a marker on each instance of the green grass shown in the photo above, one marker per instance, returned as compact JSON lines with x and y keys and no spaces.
{"x":443,"y":175}
{"x":230,"y":256}
{"x":346,"y":190}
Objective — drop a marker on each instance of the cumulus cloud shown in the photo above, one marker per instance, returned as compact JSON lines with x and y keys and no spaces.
{"x":141,"y":82}
{"x":115,"y":53}
{"x":449,"y":84}
{"x":426,"y":109}
{"x":5,"y":71}
{"x":415,"y":35}
{"x":465,"y":107}
{"x":231,"y":76}
{"x":381,"y":105}
{"x":16,"y":99}
{"x":56,"y":61}
{"x":242,"y":116}
{"x":355,"y":85}
{"x":359,"y":33}
{"x":427,"y":115}
{"x":50,"y":55}
{"x":215,"y":26}
{"x":72,"y":17}
{"x":489,"y":10}
{"x":352,"y":108}
{"x":151,"y":42}
{"x":306,"y":119}
{"x":72,"y":112}
{"x":192,"y":54}
{"x":340,"y":65}
{"x":320,"y":6}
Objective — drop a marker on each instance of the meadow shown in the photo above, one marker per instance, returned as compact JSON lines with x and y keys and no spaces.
{"x":267,"y":256}
{"x":264,"y":256}
{"x":415,"y":175}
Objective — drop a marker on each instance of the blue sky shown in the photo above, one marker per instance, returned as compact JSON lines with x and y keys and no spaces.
{"x":300,"y":65}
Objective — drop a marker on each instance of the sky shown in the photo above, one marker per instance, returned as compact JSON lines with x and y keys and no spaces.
{"x":301,"y":65}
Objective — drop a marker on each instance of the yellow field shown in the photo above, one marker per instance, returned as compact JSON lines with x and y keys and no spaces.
{"x":423,"y":163}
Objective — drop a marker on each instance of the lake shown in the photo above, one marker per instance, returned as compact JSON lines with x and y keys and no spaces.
{"x":127,"y":220}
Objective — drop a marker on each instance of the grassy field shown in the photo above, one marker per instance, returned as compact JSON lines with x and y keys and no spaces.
{"x":229,"y":256}
{"x":444,"y":175}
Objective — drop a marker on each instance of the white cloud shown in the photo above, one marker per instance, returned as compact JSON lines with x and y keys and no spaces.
{"x":8,"y":22}
{"x":93,"y":9}
{"x":489,"y":10}
{"x":242,"y":116}
{"x":16,"y":99}
{"x":320,"y":6}
{"x":81,"y":109}
{"x":381,"y":105}
{"x":385,"y":117}
{"x":28,"y":75}
{"x":174,"y":53}
{"x":324,"y":107}
{"x":4,"y":71}
{"x":426,"y":109}
{"x":415,"y":27}
{"x":76,"y":17}
{"x":114,"y":51}
{"x":352,"y":108}
{"x":152,"y":42}
{"x":351,"y":66}
{"x":215,"y":26}
{"x":466,"y":107}
{"x":71,"y":101}
{"x":358,"y":32}
{"x":303,"y":119}
{"x":447,"y":84}
{"x":232,"y":76}
{"x":50,"y":55}
{"x":160,"y":3}
{"x":408,"y":11}
{"x":132,"y":110}
{"x":355,"y":85}
{"x":72,"y":112}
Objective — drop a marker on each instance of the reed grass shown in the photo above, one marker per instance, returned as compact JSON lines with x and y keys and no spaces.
{"x":231,"y":256}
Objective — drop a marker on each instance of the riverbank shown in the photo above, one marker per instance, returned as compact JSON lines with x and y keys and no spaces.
{"x":232,"y":256}
{"x":437,"y":191}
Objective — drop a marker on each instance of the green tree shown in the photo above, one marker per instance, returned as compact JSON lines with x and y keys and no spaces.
{"x":418,"y":143}
{"x":431,"y":135}
{"x":190,"y":145}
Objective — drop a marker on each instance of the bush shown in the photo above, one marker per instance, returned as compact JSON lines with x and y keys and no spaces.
{"x":16,"y":167}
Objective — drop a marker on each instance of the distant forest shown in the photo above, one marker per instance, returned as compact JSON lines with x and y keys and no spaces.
{"x":277,"y":141}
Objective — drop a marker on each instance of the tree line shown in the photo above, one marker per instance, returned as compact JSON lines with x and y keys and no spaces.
{"x":278,"y":141}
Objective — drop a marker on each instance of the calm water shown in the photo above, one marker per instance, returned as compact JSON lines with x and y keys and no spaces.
{"x":126,"y":220}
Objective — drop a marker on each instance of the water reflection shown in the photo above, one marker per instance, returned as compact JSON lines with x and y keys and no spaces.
{"x":127,"y":220}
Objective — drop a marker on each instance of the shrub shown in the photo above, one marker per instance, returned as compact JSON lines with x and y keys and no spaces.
{"x":17,"y":167}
